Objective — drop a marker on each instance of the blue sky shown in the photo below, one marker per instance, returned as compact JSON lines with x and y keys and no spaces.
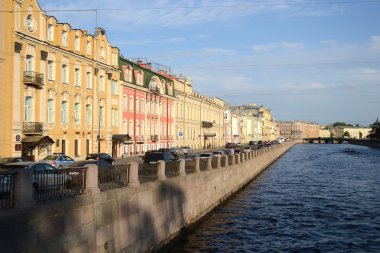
{"x":307,"y":60}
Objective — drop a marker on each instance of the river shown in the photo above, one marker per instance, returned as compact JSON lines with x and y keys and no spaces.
{"x":315,"y":198}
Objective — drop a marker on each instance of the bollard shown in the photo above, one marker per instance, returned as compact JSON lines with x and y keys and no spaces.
{"x":92,"y":183}
{"x":209,"y":167}
{"x":182,"y":167}
{"x":237,"y":159}
{"x":133,"y":175}
{"x":197,"y":169}
{"x":23,"y":189}
{"x":161,"y":171}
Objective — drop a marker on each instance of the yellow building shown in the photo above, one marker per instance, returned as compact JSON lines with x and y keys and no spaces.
{"x":351,"y":132}
{"x":58,"y":85}
{"x":199,"y":119}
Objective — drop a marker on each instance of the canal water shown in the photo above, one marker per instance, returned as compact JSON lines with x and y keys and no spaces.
{"x":316,"y":198}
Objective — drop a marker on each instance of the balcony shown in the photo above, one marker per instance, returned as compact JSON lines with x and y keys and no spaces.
{"x":33,"y":127}
{"x":34,"y":78}
{"x":206,"y":124}
{"x":154,"y":138}
{"x":155,"y":90}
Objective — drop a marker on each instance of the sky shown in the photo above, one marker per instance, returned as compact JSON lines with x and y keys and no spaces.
{"x":316,"y":61}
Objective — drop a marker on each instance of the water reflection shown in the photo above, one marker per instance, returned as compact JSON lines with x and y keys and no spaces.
{"x":316,"y":198}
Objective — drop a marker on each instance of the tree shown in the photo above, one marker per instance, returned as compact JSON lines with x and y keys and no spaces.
{"x":360,"y":135}
{"x":346,"y":134}
{"x":340,"y":124}
{"x":375,"y":131}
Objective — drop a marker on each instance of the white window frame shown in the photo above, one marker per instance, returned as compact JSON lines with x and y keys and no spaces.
{"x":77,"y":43}
{"x":102,"y":115}
{"x":28,"y":110}
{"x":88,"y":47}
{"x":50,"y":111}
{"x":64,"y":38}
{"x":101,"y":84}
{"x":64,"y":112}
{"x":88,"y":114}
{"x":64,"y":74}
{"x":77,"y":77}
{"x":51,"y":76}
{"x":50,"y":32}
{"x":77,"y":113}
{"x":88,"y":80}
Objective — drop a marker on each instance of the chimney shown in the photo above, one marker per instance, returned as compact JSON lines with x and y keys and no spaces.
{"x":149,"y":66}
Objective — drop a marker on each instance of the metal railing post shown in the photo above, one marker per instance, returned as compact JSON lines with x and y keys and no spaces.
{"x":209,"y":166}
{"x":197,"y":169}
{"x":218,"y":163}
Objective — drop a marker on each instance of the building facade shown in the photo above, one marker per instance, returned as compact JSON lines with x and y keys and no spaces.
{"x":60,"y":89}
{"x":296,"y":130}
{"x":350,"y":132}
{"x":147,"y":108}
{"x":198,"y":119}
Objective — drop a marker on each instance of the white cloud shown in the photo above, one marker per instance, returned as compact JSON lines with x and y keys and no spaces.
{"x":218,"y":51}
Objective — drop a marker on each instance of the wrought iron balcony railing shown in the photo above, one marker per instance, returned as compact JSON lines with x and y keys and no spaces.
{"x":33,"y":127}
{"x":154,"y":137}
{"x":34,"y":78}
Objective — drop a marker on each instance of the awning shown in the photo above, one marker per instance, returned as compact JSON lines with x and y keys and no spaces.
{"x":37,"y":140}
{"x":209,"y":134}
{"x":121,"y":137}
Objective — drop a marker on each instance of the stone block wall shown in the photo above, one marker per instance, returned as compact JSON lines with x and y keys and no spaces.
{"x":129,"y":219}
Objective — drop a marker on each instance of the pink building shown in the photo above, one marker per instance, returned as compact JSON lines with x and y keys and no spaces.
{"x":147,"y":108}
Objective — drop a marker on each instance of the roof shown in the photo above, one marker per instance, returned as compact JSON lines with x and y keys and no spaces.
{"x":37,"y":139}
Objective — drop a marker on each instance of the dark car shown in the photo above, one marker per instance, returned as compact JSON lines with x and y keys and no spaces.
{"x":100,"y":163}
{"x":152,"y":157}
{"x":231,"y":145}
{"x":172,"y":151}
{"x":101,"y":156}
{"x":6,"y":160}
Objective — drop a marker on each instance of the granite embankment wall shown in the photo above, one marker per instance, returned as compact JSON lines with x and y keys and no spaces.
{"x":130,"y":219}
{"x":366,"y":142}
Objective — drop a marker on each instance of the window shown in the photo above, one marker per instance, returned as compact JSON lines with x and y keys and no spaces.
{"x":50,"y":70}
{"x":64,"y":73}
{"x":88,"y":47}
{"x":77,"y":113}
{"x":137,"y":105}
{"x":29,"y":63}
{"x":64,"y":112}
{"x":131,"y":127}
{"x":77,"y":43}
{"x":101,"y":115}
{"x":125,"y":103}
{"x":142,"y":105}
{"x":125,"y":127}
{"x":64,"y":38}
{"x":131,"y":103}
{"x":101,"y":84}
{"x":50,"y":109}
{"x":114,"y":87}
{"x":28,"y":109}
{"x":50,"y":32}
{"x":88,"y":115}
{"x":88,"y":80}
{"x":142,"y":129}
{"x":77,"y":77}
{"x":115,"y":118}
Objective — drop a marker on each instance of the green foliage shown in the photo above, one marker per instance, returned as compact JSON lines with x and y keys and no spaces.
{"x":340,"y":124}
{"x":360,"y":135}
{"x":346,"y":134}
{"x":375,"y":131}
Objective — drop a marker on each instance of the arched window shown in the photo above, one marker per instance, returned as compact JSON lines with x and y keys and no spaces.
{"x":88,"y":114}
{"x":50,"y":111}
{"x":64,"y":113}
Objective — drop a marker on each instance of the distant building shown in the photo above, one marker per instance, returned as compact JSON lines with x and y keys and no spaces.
{"x":353,"y":132}
{"x":296,"y":130}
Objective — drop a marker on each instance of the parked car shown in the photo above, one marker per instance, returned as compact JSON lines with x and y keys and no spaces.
{"x":52,"y":178}
{"x":191,"y":156}
{"x":6,"y":160}
{"x":231,"y":145}
{"x":245,"y":149}
{"x":100,"y":163}
{"x":219,"y":153}
{"x":101,"y":156}
{"x":60,"y":161}
{"x":206,"y":155}
{"x":261,"y":144}
{"x":153,"y":157}
{"x":172,"y":151}
{"x":186,"y":149}
{"x":176,"y":150}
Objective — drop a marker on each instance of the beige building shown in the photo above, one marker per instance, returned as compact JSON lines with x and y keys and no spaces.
{"x":296,"y":130}
{"x":198,"y":119}
{"x":58,"y":85}
{"x":353,"y":132}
